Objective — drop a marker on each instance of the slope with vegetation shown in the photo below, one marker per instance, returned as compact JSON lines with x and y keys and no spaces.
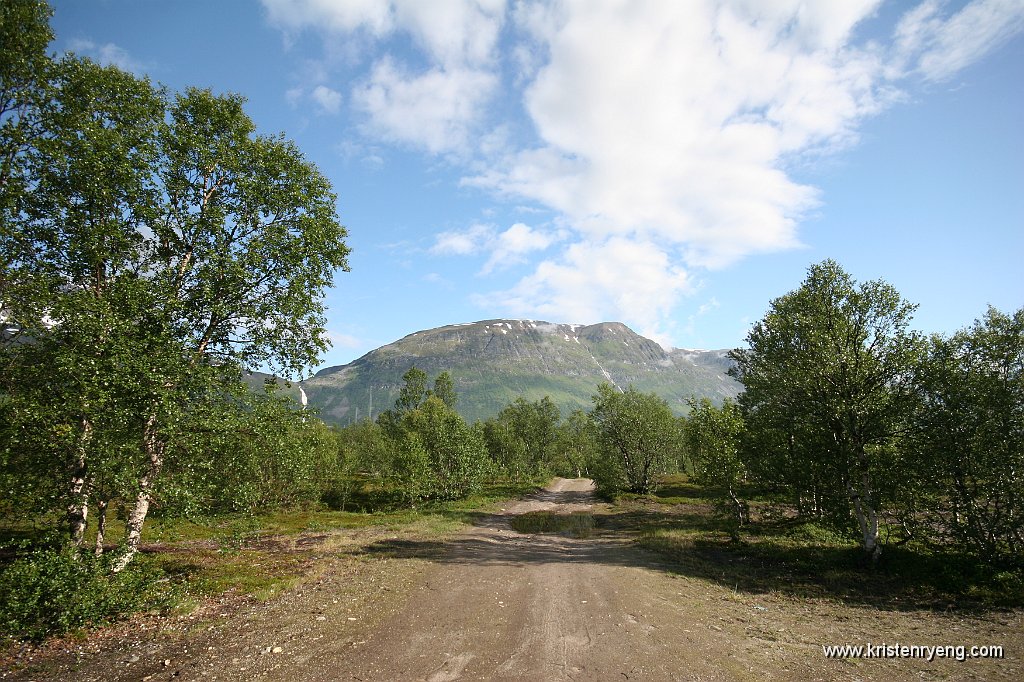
{"x":493,"y":362}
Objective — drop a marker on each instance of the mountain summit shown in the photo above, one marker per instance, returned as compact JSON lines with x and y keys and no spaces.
{"x":492,"y":362}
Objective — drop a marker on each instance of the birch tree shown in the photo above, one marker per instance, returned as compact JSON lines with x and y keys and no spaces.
{"x":836,"y":358}
{"x":713,"y":445}
{"x":969,"y":438}
{"x":151,"y":248}
{"x":639,"y":439}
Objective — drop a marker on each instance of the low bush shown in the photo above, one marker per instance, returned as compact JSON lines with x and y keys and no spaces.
{"x":54,"y":591}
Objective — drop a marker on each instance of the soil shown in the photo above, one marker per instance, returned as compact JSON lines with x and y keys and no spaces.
{"x":495,"y":604}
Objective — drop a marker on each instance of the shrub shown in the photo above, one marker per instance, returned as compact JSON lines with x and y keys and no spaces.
{"x":54,"y":591}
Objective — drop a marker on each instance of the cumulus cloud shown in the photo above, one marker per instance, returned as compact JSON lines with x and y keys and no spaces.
{"x":662,"y":135}
{"x":682,"y":137}
{"x":107,"y":54}
{"x":599,"y":281}
{"x":681,"y":133}
{"x":435,"y":104}
{"x":349,"y":15}
{"x":511,"y":246}
{"x":462,"y":243}
{"x":506,"y":248}
{"x":435,"y":109}
{"x":327,"y":99}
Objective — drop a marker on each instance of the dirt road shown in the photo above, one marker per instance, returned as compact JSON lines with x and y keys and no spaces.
{"x":505,"y":605}
{"x":496,"y":604}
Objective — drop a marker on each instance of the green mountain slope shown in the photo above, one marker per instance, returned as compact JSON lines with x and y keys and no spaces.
{"x":493,"y":362}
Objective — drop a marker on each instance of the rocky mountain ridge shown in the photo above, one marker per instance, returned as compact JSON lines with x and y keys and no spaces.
{"x":492,"y":362}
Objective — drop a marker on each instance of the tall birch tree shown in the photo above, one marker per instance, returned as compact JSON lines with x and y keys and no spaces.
{"x":152,"y":246}
{"x":835,"y":358}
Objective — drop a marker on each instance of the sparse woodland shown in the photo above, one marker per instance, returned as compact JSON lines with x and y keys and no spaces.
{"x":154,"y":246}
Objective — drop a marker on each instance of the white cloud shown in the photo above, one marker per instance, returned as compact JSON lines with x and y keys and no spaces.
{"x":435,"y":109}
{"x":107,"y":54}
{"x":438,"y":279}
{"x":293,"y":96}
{"x":511,"y":246}
{"x":506,"y":248}
{"x":341,"y":340}
{"x":691,"y":321}
{"x":327,"y":99}
{"x":463,"y":243}
{"x":679,"y":135}
{"x":662,"y":135}
{"x":453,"y":32}
{"x":943,"y":46}
{"x":334,"y":15}
{"x":619,"y":279}
{"x":436,"y":105}
{"x":681,"y":138}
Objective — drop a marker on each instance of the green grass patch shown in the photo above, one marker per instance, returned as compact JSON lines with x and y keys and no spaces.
{"x":788,"y":555}
{"x":258,"y":573}
{"x":575,"y":524}
{"x":187,"y":560}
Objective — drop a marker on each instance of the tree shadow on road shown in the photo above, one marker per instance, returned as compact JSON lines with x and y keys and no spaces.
{"x":689,"y":540}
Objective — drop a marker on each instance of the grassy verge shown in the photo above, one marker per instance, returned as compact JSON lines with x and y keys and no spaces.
{"x":782,"y":554}
{"x":184,"y":562}
{"x":576,"y":524}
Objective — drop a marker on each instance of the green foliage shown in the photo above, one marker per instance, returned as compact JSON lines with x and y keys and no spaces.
{"x":444,"y":389}
{"x":969,"y":438}
{"x":639,"y":440}
{"x":413,"y":392}
{"x":434,"y":453}
{"x":24,"y":72}
{"x":713,"y":445}
{"x":576,"y":445}
{"x":53,"y":591}
{"x":248,"y":452}
{"x":150,"y":247}
{"x":446,"y":457}
{"x":828,"y":380}
{"x":523,"y":438}
{"x":362,"y":449}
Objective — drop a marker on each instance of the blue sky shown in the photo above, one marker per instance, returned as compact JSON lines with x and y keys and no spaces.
{"x":670,"y":165}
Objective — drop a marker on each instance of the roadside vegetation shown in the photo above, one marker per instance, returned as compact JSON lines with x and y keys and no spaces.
{"x":783,"y":553}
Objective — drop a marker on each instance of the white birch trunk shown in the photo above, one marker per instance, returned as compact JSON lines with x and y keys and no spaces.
{"x":101,"y":525}
{"x":78,"y":504}
{"x":133,"y":529}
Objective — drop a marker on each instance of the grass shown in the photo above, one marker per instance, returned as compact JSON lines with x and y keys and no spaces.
{"x":575,"y":524}
{"x":259,"y":556}
{"x":780,"y":553}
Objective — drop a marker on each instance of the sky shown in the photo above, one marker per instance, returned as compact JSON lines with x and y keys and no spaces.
{"x":671,"y":165}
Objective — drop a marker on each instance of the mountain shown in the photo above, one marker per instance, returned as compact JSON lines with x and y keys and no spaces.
{"x":493,"y":362}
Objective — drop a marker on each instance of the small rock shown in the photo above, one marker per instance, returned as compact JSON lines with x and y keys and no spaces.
{"x":321,"y":617}
{"x":167,"y":662}
{"x":276,"y":650}
{"x":134,"y":658}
